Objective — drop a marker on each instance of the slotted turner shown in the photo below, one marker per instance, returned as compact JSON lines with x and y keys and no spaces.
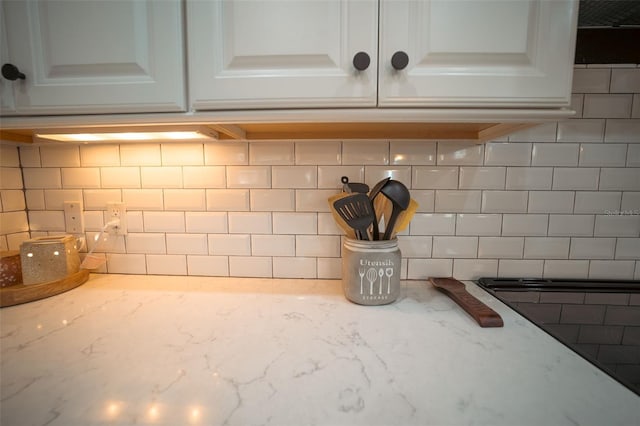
{"x":356,"y":210}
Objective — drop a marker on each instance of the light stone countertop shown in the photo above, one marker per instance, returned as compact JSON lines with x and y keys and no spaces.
{"x":126,"y":349}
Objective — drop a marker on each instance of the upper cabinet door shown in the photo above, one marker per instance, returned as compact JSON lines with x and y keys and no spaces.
{"x":477,"y":52}
{"x":281,"y":53}
{"x":99,"y":56}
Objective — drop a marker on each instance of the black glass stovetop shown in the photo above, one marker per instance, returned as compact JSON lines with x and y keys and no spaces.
{"x":597,"y":319}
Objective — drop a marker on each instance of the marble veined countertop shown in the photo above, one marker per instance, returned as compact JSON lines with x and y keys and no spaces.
{"x":124,"y":349}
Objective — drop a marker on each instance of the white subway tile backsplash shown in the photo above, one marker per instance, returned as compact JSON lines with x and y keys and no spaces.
{"x":120,"y":177}
{"x":546,"y":247}
{"x":311,"y":153}
{"x":425,"y":198}
{"x":633,"y":155}
{"x":317,"y":246}
{"x":567,"y":225}
{"x":99,"y":155}
{"x":228,"y":200}
{"x":525,"y":224}
{"x":596,"y":202}
{"x":276,"y":200}
{"x":454,"y":247}
{"x":11,"y":178}
{"x":143,"y":199}
{"x":271,"y":153}
{"x":577,"y":104}
{"x":585,"y":130}
{"x":540,"y":133}
{"x":628,"y":248}
{"x":97,"y":199}
{"x":433,"y":224}
{"x":135,"y":221}
{"x":482,"y":177}
{"x":326,"y":225}
{"x":413,"y":153}
{"x":623,"y":131}
{"x":500,"y":247}
{"x":523,"y":178}
{"x":630,"y":202}
{"x":576,"y":178}
{"x":140,"y":154}
{"x":185,"y":199}
{"x":617,"y":225}
{"x":472,"y":269}
{"x":209,"y":266}
{"x":294,"y":267}
{"x":294,"y":177}
{"x":146,"y":243}
{"x":230,"y":245}
{"x":566,"y":269}
{"x":426,"y":177}
{"x":625,"y":179}
{"x":273,"y":245}
{"x":551,"y":201}
{"x":11,"y":222}
{"x":313,"y":200}
{"x":591,"y":80}
{"x":611,"y":269}
{"x":460,"y":153}
{"x":248,"y":177}
{"x":60,"y":156}
{"x":508,"y":268}
{"x":161,"y":177}
{"x":607,"y":106}
{"x":87,"y":177}
{"x":9,"y":156}
{"x":295,"y":223}
{"x":204,"y":177}
{"x":174,"y":264}
{"x":635,"y":109}
{"x":504,"y":201}
{"x":29,"y":156}
{"x":34,"y":199}
{"x":507,"y":154}
{"x":182,"y":154}
{"x":415,"y":246}
{"x":250,"y":222}
{"x":251,"y":266}
{"x":422,"y":269}
{"x":558,"y":154}
{"x":458,"y":201}
{"x":329,"y":268}
{"x":478,"y":224}
{"x":374,"y":174}
{"x":126,"y":264}
{"x":330,"y":176}
{"x":603,"y":155}
{"x":592,"y":248}
{"x":163,"y":221}
{"x":54,"y":198}
{"x":42,"y":220}
{"x":226,"y":153}
{"x":33,"y":178}
{"x":206,"y":222}
{"x":94,"y":220}
{"x":365,"y":152}
{"x":625,"y":80}
{"x":187,"y":244}
{"x":13,"y":199}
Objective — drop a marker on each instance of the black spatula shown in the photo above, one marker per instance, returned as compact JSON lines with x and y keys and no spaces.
{"x":357,"y":212}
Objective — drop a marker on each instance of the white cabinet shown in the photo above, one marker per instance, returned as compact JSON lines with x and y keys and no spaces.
{"x":102,"y":56}
{"x":461,"y":53}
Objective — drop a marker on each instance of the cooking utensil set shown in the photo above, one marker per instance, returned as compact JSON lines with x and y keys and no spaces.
{"x":359,"y":211}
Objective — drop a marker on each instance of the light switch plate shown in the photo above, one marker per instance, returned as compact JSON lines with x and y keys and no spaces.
{"x":73,"y":217}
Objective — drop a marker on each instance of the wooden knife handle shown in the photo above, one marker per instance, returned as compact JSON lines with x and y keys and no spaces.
{"x":484,"y":315}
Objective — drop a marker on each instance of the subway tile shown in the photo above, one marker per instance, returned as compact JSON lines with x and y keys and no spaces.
{"x":459,"y":153}
{"x":628,"y":248}
{"x":630,"y":202}
{"x":135,"y":222}
{"x":54,"y":199}
{"x":39,"y":220}
{"x":541,"y":313}
{"x":365,"y":152}
{"x":294,"y":267}
{"x":635,"y":109}
{"x":625,"y":179}
{"x":310,"y":153}
{"x":592,"y":248}
{"x":227,"y":199}
{"x":504,"y":201}
{"x":34,"y":199}
{"x":140,"y":154}
{"x":120,"y":177}
{"x":208,"y":266}
{"x":472,"y":269}
{"x":295,"y":223}
{"x":9,"y":156}
{"x":268,"y":153}
{"x":14,"y":241}
{"x":551,"y":201}
{"x":248,"y":177}
{"x":182,"y":154}
{"x":625,"y":80}
{"x":524,"y":224}
{"x":611,"y":269}
{"x":623,"y":315}
{"x":317,"y":246}
{"x":226,"y":153}
{"x":29,"y":156}
{"x":327,"y":225}
{"x":617,"y":226}
{"x":163,"y":221}
{"x":13,"y":199}
{"x":415,"y":246}
{"x":567,"y":225}
{"x":591,"y":80}
{"x":426,"y":177}
{"x":478,"y":224}
{"x":204,"y":177}
{"x":415,"y":153}
{"x":500,"y":247}
{"x":596,"y":202}
{"x":330,"y":176}
{"x":546,"y":248}
{"x":566,"y":269}
{"x":187,"y":244}
{"x":230,"y":245}
{"x":623,"y":131}
{"x":564,"y":332}
{"x":33,"y":178}
{"x":507,"y":154}
{"x":433,"y":224}
{"x":421,"y":269}
{"x":99,"y":155}
{"x":606,"y":298}
{"x":562,"y":297}
{"x":458,"y":201}
{"x":558,"y":154}
{"x":272,"y":200}
{"x":273,"y":245}
{"x":633,"y":155}
{"x":60,"y":156}
{"x":482,"y":177}
{"x":374,"y":174}
{"x":85,"y":177}
{"x":11,"y":177}
{"x":294,"y":177}
{"x":607,"y":106}
{"x":329,"y":268}
{"x":126,"y":264}
{"x":631,"y":336}
{"x":508,"y":268}
{"x":425,"y":198}
{"x":251,"y":267}
{"x":313,"y":200}
{"x":161,"y":177}
{"x":142,"y":199}
{"x":173,"y":264}
{"x":577,"y":104}
{"x":146,"y":243}
{"x":455,"y":247}
{"x":603,"y":155}
{"x":540,"y":133}
{"x":250,"y":222}
{"x":94,"y":220}
{"x":206,"y":222}
{"x":584,"y":130}
{"x":185,"y":199}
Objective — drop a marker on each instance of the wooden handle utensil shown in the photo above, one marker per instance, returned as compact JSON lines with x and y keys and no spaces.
{"x":484,"y":315}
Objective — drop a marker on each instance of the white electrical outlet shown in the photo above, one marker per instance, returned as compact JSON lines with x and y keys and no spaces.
{"x":73,"y":217}
{"x":118,"y":211}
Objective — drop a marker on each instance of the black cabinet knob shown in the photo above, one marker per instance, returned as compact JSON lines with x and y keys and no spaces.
{"x":11,"y":72}
{"x":361,"y":61}
{"x":399,"y":60}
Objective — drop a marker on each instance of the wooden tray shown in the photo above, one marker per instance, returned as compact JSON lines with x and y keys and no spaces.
{"x":20,"y":293}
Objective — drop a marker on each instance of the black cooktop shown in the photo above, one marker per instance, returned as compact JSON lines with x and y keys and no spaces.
{"x":597,"y":319}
